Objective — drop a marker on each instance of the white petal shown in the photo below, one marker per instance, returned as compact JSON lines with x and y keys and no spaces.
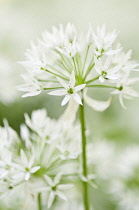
{"x":65,"y":100}
{"x":112,"y":76}
{"x":89,"y":37}
{"x":93,"y":184}
{"x":57,"y":178}
{"x":69,"y":115}
{"x":31,"y":161}
{"x":72,"y":79}
{"x":27,"y":176}
{"x":115,"y":92}
{"x":18,"y":175}
{"x":77,"y":98}
{"x":99,"y":106}
{"x":112,"y":52}
{"x":58,"y":92}
{"x":40,"y":189}
{"x":121,"y":101}
{"x":51,"y":199}
{"x":48,"y":180}
{"x":31,"y":94}
{"x":23,"y":157}
{"x":101,"y":79}
{"x":64,"y":186}
{"x":61,"y":195}
{"x":132,"y":92}
{"x":3,"y":173}
{"x":62,"y":82}
{"x":79,"y":87}
{"x":83,"y":178}
{"x":34,"y":169}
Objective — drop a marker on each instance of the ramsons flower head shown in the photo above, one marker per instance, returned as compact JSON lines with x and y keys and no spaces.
{"x":66,"y":63}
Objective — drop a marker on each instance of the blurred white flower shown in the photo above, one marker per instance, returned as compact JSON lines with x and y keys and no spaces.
{"x":7,"y":136}
{"x":55,"y":188}
{"x":32,"y":86}
{"x":26,"y":167}
{"x":101,"y":160}
{"x":69,"y":144}
{"x":7,"y":167}
{"x":125,"y":90}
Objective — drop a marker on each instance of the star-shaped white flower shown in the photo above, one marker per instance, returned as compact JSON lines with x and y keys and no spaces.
{"x":103,"y":41}
{"x":125,"y":90}
{"x":26,"y":167}
{"x":106,"y":70}
{"x":70,"y":90}
{"x":32,"y":86}
{"x":70,"y":49}
{"x":55,"y":188}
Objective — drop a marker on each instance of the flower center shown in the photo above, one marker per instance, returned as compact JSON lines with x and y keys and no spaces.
{"x":10,"y":187}
{"x":27,"y":169}
{"x":103,"y":73}
{"x":7,"y":167}
{"x":54,"y":188}
{"x":70,"y":91}
{"x":47,"y":137}
{"x":121,"y":87}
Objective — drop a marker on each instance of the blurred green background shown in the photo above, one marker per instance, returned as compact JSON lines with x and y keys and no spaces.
{"x":22,"y":21}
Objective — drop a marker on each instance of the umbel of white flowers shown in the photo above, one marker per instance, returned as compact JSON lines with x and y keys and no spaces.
{"x":64,"y":63}
{"x":40,"y":160}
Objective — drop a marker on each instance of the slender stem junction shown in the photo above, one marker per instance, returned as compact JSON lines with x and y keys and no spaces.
{"x":84,"y":158}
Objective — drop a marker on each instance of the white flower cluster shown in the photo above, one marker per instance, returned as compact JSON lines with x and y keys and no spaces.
{"x":41,"y":159}
{"x":67,"y":63}
{"x":47,"y":162}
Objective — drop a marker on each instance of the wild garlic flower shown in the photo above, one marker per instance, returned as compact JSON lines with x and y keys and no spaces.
{"x":106,"y":71}
{"x":70,"y":49}
{"x":55,"y":188}
{"x":70,"y":90}
{"x":103,"y":42}
{"x":69,"y":145}
{"x":38,"y":151}
{"x":7,"y":167}
{"x":64,"y":61}
{"x":25,"y":168}
{"x":32,"y":86}
{"x":124,"y":90}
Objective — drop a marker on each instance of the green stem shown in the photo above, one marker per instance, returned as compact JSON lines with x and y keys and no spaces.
{"x":92,"y":80}
{"x":42,"y":80}
{"x":103,"y":86}
{"x":86,"y":56}
{"x":54,"y":74}
{"x":84,"y":156}
{"x":52,"y":88}
{"x":39,"y":202}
